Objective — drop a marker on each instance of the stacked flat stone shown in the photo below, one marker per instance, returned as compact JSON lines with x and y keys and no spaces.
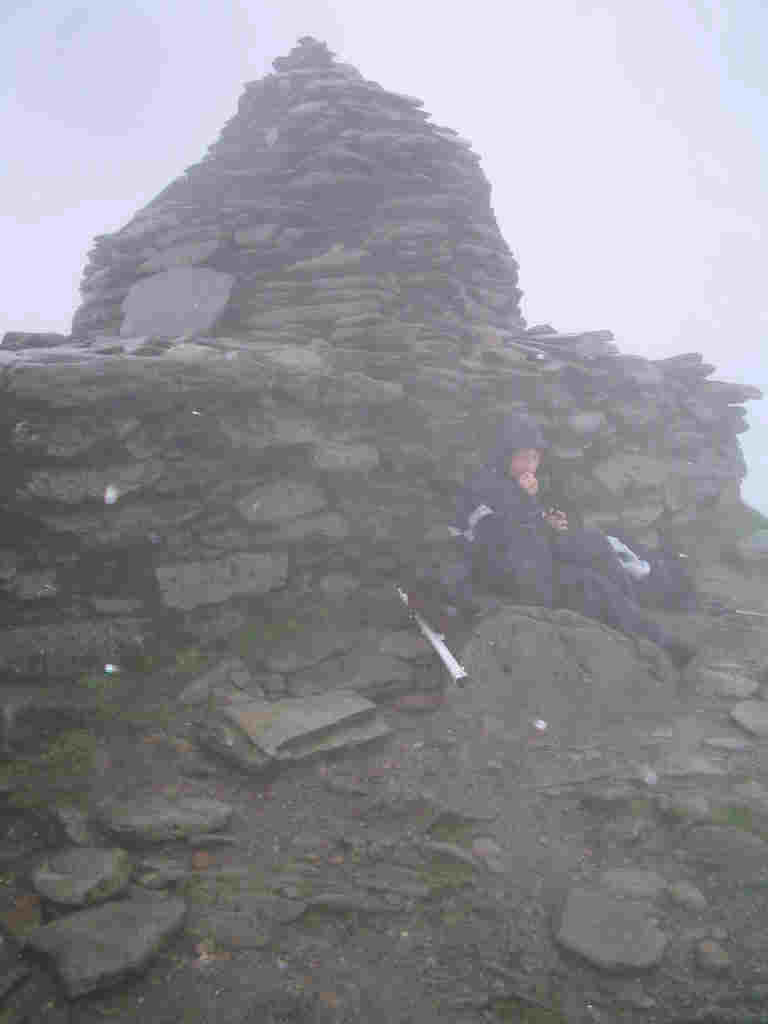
{"x":328,"y":208}
{"x":181,"y":490}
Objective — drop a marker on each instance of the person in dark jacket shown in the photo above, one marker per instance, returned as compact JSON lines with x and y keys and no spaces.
{"x":516,"y":547}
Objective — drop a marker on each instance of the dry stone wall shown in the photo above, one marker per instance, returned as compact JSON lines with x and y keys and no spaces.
{"x":212,"y":484}
{"x":282,"y":370}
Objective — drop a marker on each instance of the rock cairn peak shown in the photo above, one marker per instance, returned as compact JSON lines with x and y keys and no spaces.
{"x":328,"y":206}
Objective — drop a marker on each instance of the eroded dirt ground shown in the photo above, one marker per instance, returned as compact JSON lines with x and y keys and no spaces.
{"x":425,"y":877}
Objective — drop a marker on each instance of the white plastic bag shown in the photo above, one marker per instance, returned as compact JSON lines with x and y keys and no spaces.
{"x":637,"y":568}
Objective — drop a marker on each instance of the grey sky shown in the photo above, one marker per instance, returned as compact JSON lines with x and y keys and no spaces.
{"x":625,"y":142}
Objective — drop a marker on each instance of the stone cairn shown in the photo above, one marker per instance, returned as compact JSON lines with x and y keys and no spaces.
{"x":281,"y":369}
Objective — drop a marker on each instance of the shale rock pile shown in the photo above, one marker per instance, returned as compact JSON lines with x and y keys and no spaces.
{"x":283,"y":367}
{"x":329,"y":208}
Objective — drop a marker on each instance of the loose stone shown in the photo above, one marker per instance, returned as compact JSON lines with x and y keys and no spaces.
{"x":612,"y":934}
{"x":711,"y":957}
{"x":94,"y":949}
{"x":83,"y":876}
{"x":687,"y":895}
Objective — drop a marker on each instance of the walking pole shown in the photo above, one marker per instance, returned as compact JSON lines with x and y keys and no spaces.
{"x":456,"y":671}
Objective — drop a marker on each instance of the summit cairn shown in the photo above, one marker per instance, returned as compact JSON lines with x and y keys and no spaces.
{"x":284,"y":366}
{"x":328,"y":208}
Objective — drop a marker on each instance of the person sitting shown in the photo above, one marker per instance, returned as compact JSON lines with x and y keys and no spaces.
{"x":517,"y":548}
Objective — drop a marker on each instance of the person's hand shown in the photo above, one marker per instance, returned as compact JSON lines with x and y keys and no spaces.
{"x":556,"y":519}
{"x":529,"y":483}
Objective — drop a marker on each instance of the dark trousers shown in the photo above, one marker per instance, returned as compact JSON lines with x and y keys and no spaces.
{"x":594,"y":595}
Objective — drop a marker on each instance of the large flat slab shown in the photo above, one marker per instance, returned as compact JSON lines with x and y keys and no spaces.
{"x":155,"y":819}
{"x":262,"y":734}
{"x":612,"y":934}
{"x":175,"y":302}
{"x":285,"y":726}
{"x":94,"y":949}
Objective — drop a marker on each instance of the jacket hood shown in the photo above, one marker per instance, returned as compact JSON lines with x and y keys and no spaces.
{"x":515,"y":432}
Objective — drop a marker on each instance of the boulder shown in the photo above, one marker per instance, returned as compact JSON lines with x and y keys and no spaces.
{"x":611,"y":934}
{"x":97,"y":948}
{"x":576,"y":674}
{"x":83,"y":876}
{"x":261,"y":734}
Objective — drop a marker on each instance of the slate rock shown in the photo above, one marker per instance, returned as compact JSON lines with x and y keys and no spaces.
{"x":752,"y":715}
{"x":360,"y":458}
{"x":576,"y":674}
{"x":307,"y":646}
{"x":14,"y":341}
{"x":406,"y":644}
{"x":680,"y":763}
{"x":344,"y":902}
{"x":339,"y":585}
{"x":684,"y":894}
{"x":95,"y":949}
{"x":179,"y":256}
{"x":286,"y":499}
{"x":231,"y":671}
{"x":261,"y":734}
{"x":729,"y":849}
{"x":449,"y":851}
{"x":419,"y":702}
{"x":68,"y":645}
{"x":632,"y":883}
{"x":586,"y":423}
{"x":260,"y":234}
{"x":640,"y":517}
{"x":725,"y":683}
{"x":12,"y":970}
{"x":612,"y":934}
{"x":638,"y":471}
{"x":689,"y":808}
{"x":83,"y":876}
{"x":376,"y":674}
{"x":755,"y":547}
{"x":74,"y":823}
{"x":356,"y":389}
{"x":191,"y":584}
{"x":331,"y":527}
{"x":73,"y":486}
{"x":155,"y":819}
{"x":175,"y":302}
{"x":729,"y":744}
{"x":36,"y":997}
{"x":233,"y":930}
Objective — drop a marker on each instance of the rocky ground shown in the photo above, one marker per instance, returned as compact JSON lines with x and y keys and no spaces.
{"x":579,"y":835}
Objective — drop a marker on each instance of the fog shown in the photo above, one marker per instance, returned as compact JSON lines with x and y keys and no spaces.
{"x":625,"y":143}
